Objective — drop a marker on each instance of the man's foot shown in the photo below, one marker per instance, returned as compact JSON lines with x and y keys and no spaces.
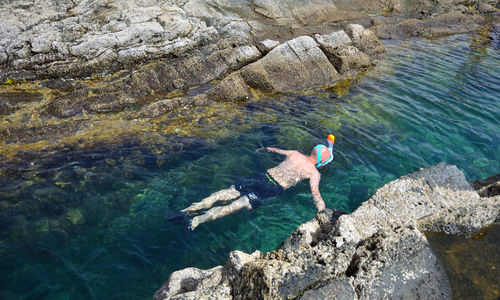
{"x":194,"y":223}
{"x":177,"y":217}
{"x":193,"y":207}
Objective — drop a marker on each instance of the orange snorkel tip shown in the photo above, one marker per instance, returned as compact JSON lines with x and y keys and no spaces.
{"x":331,"y":138}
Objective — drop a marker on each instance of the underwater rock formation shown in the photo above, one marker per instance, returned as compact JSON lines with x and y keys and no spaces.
{"x":495,"y":34}
{"x":377,"y":251}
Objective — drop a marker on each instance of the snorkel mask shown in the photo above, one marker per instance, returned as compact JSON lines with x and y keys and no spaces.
{"x":331,"y":140}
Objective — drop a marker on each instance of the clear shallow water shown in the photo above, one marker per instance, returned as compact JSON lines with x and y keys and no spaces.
{"x":470,"y":263}
{"x":94,"y":224}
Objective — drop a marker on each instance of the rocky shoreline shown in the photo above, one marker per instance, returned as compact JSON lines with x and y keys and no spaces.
{"x":377,"y":251}
{"x":73,"y":72}
{"x":80,"y":74}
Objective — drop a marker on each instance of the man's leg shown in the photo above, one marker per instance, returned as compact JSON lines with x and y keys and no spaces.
{"x":227,"y":194}
{"x":221,"y":211}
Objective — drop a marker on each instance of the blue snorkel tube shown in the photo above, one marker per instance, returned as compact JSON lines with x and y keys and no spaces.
{"x":331,"y":140}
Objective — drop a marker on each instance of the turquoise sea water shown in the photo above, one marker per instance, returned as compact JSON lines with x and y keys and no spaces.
{"x":93,"y":224}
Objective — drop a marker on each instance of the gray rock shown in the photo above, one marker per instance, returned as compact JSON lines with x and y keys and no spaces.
{"x":237,"y":259}
{"x":42,"y":42}
{"x":41,"y":39}
{"x":309,"y":12}
{"x":132,"y":54}
{"x":94,"y":44}
{"x":452,"y":22}
{"x":244,"y":55}
{"x":485,"y":8}
{"x":348,"y":58}
{"x":239,"y":29}
{"x":398,"y":265}
{"x":267,"y":45}
{"x":273,"y":9}
{"x":175,"y":26}
{"x":3,"y":56}
{"x":295,"y":65}
{"x":142,"y":14}
{"x":336,"y":290}
{"x":140,"y":31}
{"x":439,"y":202}
{"x":230,"y":89}
{"x":192,"y":279}
{"x":365,"y":40}
{"x":333,"y":40}
{"x":158,"y":108}
{"x":10,"y":32}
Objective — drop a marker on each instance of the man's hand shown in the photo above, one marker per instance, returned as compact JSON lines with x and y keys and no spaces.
{"x":270,"y":149}
{"x":279,"y":151}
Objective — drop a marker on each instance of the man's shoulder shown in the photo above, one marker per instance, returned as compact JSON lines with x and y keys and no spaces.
{"x":296,"y":153}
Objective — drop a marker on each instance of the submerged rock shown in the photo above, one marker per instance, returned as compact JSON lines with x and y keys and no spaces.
{"x":378,"y":251}
{"x":495,"y":34}
{"x":452,"y":22}
{"x":159,"y":107}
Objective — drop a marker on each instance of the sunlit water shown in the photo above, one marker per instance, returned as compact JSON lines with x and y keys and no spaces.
{"x":93,"y":224}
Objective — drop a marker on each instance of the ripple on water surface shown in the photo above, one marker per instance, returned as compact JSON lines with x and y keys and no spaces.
{"x":93,"y":224}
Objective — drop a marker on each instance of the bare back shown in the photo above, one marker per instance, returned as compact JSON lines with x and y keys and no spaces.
{"x":293,"y":169}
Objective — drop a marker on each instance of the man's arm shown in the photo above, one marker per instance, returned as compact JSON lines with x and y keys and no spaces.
{"x":314,"y":183}
{"x":279,"y":151}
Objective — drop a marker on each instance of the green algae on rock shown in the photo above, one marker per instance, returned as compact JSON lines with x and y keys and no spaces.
{"x":84,"y":113}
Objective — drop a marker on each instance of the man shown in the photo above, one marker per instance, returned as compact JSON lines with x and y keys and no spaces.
{"x":252,"y":192}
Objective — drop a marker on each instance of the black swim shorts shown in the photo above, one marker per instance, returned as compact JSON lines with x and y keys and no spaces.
{"x":258,"y":188}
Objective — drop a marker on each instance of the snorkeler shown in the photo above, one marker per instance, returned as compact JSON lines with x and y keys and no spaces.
{"x":252,"y":192}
